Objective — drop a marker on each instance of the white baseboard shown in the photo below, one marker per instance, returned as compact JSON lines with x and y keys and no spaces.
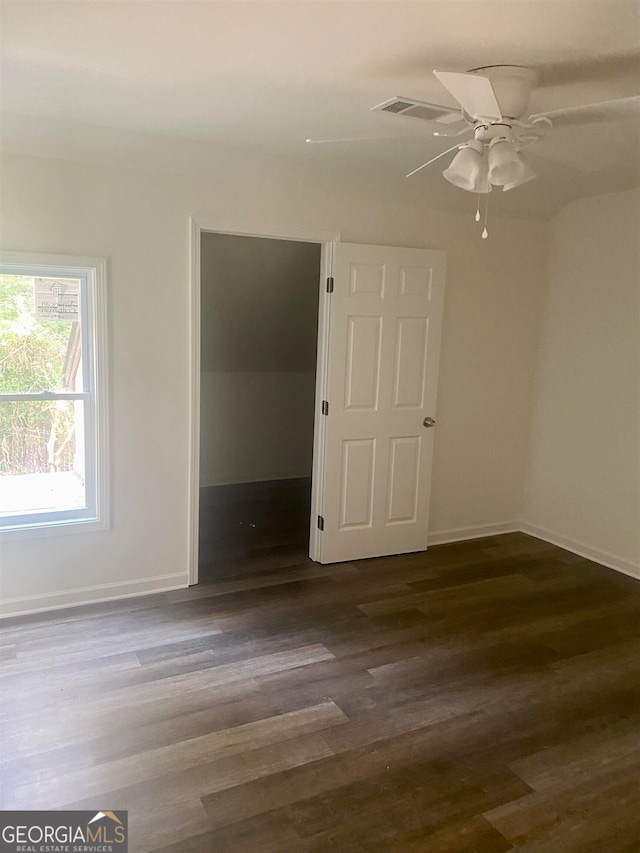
{"x":460,"y":534}
{"x":99,"y":594}
{"x":581,"y":549}
{"x":480,"y":531}
{"x":102,"y":593}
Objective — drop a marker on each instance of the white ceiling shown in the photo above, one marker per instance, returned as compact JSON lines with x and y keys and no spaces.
{"x":264,"y":76}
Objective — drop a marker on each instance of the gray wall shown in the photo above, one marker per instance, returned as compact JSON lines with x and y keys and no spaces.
{"x":583,"y":483}
{"x":258,"y":356}
{"x":138,"y":219}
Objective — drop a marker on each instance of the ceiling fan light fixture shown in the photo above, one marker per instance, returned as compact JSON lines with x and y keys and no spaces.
{"x":464,"y":170}
{"x":528,"y":175}
{"x":483,"y":184}
{"x":505,"y":166}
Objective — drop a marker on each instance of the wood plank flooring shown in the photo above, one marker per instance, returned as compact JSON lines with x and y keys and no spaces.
{"x":478,"y":698}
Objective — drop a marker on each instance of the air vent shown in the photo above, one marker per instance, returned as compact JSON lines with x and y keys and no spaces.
{"x":418,"y":109}
{"x":397,"y":107}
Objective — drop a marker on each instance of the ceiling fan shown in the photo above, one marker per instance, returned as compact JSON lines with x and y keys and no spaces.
{"x":493,"y":111}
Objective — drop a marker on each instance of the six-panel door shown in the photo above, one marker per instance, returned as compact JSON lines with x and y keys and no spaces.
{"x":384,"y":335}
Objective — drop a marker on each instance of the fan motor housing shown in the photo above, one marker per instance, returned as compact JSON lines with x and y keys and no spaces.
{"x":486,"y":132}
{"x":512,"y":85}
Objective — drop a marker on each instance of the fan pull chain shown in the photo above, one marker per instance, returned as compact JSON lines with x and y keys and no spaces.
{"x":478,"y":209}
{"x":485,"y":233}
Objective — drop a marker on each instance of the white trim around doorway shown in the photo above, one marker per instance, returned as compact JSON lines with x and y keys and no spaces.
{"x":247,"y":229}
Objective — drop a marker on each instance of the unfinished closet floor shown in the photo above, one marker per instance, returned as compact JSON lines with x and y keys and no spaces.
{"x":247,"y":528}
{"x":477,"y":698}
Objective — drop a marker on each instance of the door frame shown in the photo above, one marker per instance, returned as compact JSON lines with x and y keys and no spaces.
{"x":326,"y":239}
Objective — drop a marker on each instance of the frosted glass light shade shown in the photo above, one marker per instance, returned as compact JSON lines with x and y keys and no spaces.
{"x":505,"y":167}
{"x":483,"y":184}
{"x":528,"y":175}
{"x":464,"y":169}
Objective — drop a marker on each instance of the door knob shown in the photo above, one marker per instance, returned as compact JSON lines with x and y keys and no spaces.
{"x":428,"y":422}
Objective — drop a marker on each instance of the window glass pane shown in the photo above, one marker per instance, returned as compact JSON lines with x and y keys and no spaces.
{"x":40,"y":341}
{"x":42,"y":464}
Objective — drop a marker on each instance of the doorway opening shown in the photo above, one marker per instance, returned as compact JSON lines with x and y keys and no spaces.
{"x":259,"y":304}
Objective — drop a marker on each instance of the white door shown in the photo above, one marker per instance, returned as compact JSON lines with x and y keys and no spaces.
{"x":385,"y":316}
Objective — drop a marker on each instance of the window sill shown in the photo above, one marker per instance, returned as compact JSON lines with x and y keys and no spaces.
{"x":44,"y":530}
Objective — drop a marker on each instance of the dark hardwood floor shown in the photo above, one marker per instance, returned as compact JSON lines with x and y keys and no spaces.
{"x":480,"y":697}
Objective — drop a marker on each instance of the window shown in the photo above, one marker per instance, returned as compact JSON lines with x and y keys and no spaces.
{"x":53,"y":394}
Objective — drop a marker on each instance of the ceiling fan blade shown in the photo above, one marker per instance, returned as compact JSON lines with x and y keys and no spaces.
{"x":451,"y":118}
{"x":473,"y":92}
{"x":603,"y":147}
{"x":433,"y":160}
{"x":622,"y":109}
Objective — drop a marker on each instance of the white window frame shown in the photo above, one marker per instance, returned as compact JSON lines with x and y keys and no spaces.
{"x":92,"y":273}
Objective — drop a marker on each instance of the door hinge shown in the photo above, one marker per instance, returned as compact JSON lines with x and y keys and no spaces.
{"x":325,"y":407}
{"x":330,"y":284}
{"x":320,"y":523}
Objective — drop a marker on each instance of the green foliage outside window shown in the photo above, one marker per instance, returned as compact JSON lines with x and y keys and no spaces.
{"x":36,"y":436}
